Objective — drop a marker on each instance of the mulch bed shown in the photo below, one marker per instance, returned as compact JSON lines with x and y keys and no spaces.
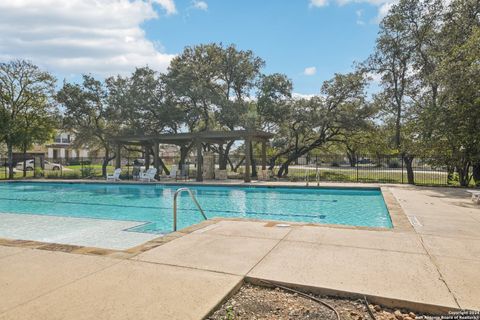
{"x":261,"y":303}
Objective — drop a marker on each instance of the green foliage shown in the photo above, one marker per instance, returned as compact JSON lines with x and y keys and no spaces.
{"x":88,"y":172}
{"x":39,"y":172}
{"x":313,"y":123}
{"x":26,"y":112}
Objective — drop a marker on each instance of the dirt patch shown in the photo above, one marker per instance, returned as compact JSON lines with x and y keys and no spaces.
{"x":260,"y":303}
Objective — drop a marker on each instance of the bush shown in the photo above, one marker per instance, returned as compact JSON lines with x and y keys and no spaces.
{"x":38,"y":172}
{"x":88,"y":172}
{"x":335,"y":164}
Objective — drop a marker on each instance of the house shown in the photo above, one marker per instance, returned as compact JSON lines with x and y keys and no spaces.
{"x":61,"y":148}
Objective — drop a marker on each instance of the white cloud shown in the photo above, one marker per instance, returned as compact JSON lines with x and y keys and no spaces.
{"x":82,"y":36}
{"x":383,"y":6}
{"x":201,"y":5}
{"x":168,"y":5}
{"x":318,"y":3}
{"x":310,"y":71}
{"x":384,"y":9}
{"x":359,"y":14}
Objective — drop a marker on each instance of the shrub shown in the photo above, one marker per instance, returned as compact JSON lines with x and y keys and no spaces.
{"x":38,"y":172}
{"x":88,"y":172}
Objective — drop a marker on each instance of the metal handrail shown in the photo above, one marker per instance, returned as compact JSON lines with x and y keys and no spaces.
{"x":317,"y":177}
{"x":175,"y":205}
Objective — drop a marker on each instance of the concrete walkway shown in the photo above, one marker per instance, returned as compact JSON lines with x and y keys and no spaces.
{"x":436,"y":263}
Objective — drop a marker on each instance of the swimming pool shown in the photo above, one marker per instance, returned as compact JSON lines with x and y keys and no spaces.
{"x":151,"y":205}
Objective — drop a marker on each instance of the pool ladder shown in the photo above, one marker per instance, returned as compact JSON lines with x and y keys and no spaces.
{"x":175,"y":205}
{"x":317,"y":176}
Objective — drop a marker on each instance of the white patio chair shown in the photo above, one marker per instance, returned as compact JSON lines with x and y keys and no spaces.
{"x":475,"y":196}
{"x":149,"y":175}
{"x":115,"y":176}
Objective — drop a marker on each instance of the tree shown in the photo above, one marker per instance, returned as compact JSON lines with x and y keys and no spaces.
{"x":37,"y":125}
{"x":89,"y":115}
{"x":212,"y":84}
{"x":144,"y":105}
{"x":25,"y":92}
{"x":455,"y":135}
{"x":391,"y":60}
{"x":316,"y":121}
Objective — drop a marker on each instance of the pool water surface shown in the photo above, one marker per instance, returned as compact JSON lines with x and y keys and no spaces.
{"x":151,"y":205}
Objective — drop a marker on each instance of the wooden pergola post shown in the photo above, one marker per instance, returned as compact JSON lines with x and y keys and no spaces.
{"x":199,"y":161}
{"x":156,"y":157}
{"x":248,"y":152}
{"x":118,"y":156}
{"x":264,"y":154}
{"x":147,"y":157}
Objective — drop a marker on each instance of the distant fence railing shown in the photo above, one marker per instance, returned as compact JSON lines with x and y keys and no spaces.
{"x":331,"y":167}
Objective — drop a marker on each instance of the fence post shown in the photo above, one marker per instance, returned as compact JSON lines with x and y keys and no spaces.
{"x":356,"y":166}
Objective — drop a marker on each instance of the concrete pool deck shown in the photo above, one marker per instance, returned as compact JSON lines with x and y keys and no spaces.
{"x":435,"y":263}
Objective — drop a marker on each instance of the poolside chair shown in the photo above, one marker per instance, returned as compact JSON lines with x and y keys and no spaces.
{"x":475,"y":196}
{"x":149,"y":175}
{"x":115,"y":176}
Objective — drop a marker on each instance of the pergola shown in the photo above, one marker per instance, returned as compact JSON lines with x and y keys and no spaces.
{"x":215,"y":137}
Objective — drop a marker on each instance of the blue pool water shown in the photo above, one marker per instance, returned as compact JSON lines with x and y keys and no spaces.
{"x":152,"y":204}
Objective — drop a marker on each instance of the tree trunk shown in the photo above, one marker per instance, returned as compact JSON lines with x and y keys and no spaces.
{"x":183,"y":156}
{"x":164,"y":167}
{"x":283,"y":170}
{"x":352,"y":158}
{"x":463,"y":174}
{"x":10,"y":160}
{"x":105,"y":162}
{"x":476,"y":174}
{"x":408,"y":159}
{"x":450,"y":172}
{"x":238,"y":165}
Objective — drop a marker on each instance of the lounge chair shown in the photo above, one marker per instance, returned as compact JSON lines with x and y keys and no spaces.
{"x":115,"y":176}
{"x":149,"y":175}
{"x":475,"y":195}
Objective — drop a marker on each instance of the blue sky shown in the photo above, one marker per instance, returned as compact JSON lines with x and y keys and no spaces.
{"x":308,"y":40}
{"x":290,"y":35}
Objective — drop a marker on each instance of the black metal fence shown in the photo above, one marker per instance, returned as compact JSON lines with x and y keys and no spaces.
{"x":382,"y":169}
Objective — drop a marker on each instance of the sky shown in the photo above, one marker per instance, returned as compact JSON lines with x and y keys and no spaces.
{"x":308,"y":40}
